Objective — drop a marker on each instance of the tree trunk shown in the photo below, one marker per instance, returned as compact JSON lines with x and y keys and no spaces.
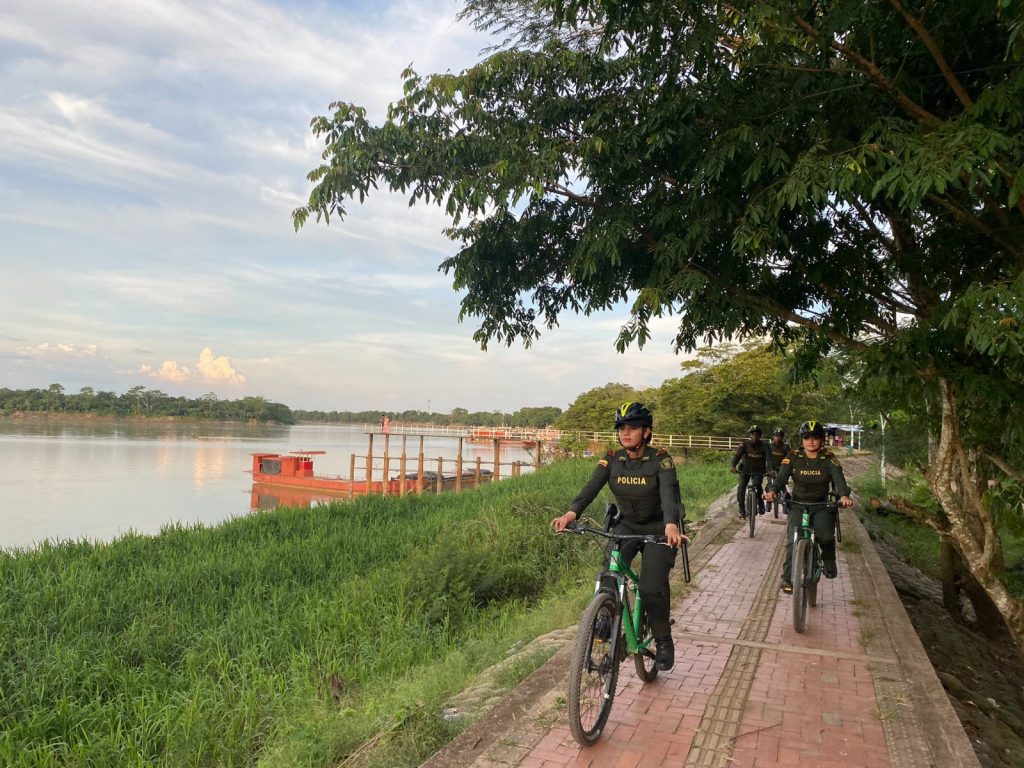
{"x":972,"y":528}
{"x":948,"y":559}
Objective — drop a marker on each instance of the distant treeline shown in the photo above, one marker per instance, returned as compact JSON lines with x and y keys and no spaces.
{"x":524,"y":417}
{"x":139,"y":401}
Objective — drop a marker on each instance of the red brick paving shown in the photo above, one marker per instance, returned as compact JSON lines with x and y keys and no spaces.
{"x":747,"y":691}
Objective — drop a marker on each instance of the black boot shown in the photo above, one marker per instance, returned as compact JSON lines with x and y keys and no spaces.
{"x":665,"y":656}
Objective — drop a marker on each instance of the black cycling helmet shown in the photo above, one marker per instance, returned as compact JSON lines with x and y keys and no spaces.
{"x":634,"y":413}
{"x":755,"y":430}
{"x":779,"y":432}
{"x":812,"y":429}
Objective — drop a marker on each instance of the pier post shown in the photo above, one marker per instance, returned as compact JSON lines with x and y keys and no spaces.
{"x":352,"y":477}
{"x":497,"y":458}
{"x":401,"y":482}
{"x":419,"y":470}
{"x":386,"y":468}
{"x":369,"y":462}
{"x":458,"y":469}
{"x":440,"y":474}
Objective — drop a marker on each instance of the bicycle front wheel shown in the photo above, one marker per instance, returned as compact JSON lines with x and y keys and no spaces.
{"x":799,"y":584}
{"x":751,"y":509}
{"x":594,"y":670}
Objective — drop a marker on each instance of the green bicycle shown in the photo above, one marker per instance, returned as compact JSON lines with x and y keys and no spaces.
{"x":613,"y":626}
{"x":750,"y":503}
{"x":807,"y":564}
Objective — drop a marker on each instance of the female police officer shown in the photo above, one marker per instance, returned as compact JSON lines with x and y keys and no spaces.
{"x":646,"y":490}
{"x":814,"y":472}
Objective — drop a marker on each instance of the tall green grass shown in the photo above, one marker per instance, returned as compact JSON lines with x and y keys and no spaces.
{"x":286,"y":638}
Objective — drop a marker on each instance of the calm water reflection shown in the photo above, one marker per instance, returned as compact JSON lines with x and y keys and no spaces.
{"x":97,"y":480}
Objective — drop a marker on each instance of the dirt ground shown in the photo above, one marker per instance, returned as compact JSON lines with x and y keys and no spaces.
{"x":984,"y":678}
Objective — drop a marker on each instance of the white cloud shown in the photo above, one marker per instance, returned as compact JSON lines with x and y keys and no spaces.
{"x":208,"y":370}
{"x":47,"y":350}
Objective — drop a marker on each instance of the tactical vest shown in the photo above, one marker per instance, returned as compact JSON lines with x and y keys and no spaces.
{"x":812,"y":478}
{"x":754,"y":457}
{"x":634,"y":483}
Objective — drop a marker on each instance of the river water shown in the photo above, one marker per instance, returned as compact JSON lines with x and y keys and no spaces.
{"x":96,"y":480}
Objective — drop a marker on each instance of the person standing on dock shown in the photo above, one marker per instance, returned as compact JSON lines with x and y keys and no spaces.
{"x":646,"y":489}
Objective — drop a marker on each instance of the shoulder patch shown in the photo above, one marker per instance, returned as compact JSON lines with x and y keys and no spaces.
{"x":786,"y":460}
{"x":835,"y":461}
{"x":666,"y":461}
{"x":603,"y":463}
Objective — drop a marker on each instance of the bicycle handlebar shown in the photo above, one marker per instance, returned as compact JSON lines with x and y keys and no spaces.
{"x":833,"y":504}
{"x":648,"y":538}
{"x":826,"y":504}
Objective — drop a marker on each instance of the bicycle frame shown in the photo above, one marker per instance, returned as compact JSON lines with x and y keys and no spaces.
{"x":629,"y":581}
{"x":806,"y":528}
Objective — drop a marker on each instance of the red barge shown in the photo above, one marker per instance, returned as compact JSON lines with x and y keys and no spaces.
{"x":295,"y":470}
{"x":288,"y":479}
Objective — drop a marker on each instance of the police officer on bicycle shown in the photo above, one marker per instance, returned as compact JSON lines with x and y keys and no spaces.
{"x":752,"y":454}
{"x":778,"y":449}
{"x":814,"y":472}
{"x":646,"y":489}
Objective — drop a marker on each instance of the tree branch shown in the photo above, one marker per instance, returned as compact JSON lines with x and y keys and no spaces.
{"x":904,"y":102}
{"x":932,"y":45}
{"x":973,"y":221}
{"x":1001,"y":463}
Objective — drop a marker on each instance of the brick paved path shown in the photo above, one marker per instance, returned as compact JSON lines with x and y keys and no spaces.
{"x":747,"y":691}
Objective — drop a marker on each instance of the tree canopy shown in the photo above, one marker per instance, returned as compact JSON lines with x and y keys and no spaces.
{"x":844,"y":175}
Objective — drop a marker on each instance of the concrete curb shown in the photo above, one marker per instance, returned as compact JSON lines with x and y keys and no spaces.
{"x":926,"y":718}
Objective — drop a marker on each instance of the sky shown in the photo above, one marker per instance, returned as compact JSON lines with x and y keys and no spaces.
{"x":151,"y":153}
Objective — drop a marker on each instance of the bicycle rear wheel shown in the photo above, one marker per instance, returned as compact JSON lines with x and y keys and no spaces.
{"x":799,"y":584}
{"x":643,"y":660}
{"x":751,"y":504}
{"x":594,"y":670}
